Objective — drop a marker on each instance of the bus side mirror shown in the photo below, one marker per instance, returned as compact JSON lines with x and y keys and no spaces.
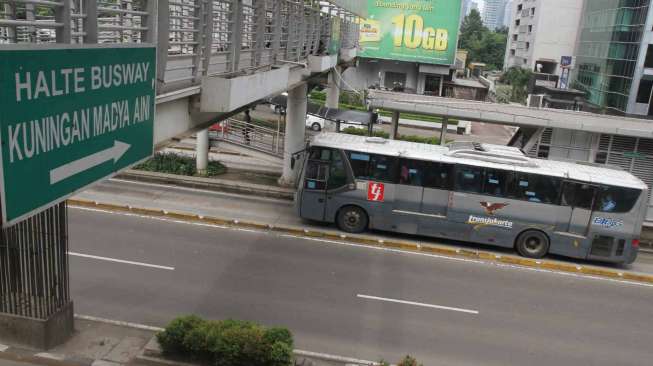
{"x":292,"y":162}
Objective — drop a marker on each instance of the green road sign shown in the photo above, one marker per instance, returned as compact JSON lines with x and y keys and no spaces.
{"x":423,"y":31}
{"x":70,"y":117}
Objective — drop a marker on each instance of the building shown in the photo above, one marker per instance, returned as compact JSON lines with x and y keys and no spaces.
{"x":541,"y":33}
{"x":614,"y":57}
{"x":493,"y":13}
{"x":507,"y":14}
{"x":468,"y":5}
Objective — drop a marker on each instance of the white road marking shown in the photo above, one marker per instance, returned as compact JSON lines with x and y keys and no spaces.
{"x":3,"y":348}
{"x":390,"y":250}
{"x":118,"y":323}
{"x":404,"y":302}
{"x":475,"y":261}
{"x":50,"y":356}
{"x":120,"y":261}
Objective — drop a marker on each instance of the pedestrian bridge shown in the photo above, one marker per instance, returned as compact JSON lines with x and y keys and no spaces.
{"x":214,"y":57}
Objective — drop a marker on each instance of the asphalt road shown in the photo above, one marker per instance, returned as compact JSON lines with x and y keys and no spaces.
{"x":355,"y":301}
{"x":268,"y":211}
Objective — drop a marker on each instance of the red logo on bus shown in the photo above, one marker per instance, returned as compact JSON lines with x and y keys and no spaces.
{"x":492,"y":208}
{"x":375,"y":192}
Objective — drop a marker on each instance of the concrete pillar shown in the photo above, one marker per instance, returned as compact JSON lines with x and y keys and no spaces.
{"x":295,"y":133}
{"x":394,"y":126}
{"x":333,"y":90}
{"x":202,"y":152}
{"x":443,"y":133}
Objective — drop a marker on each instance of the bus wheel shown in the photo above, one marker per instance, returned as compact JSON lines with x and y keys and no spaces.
{"x":352,"y":219}
{"x":532,"y":244}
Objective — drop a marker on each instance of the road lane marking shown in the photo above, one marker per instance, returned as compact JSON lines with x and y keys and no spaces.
{"x":404,"y":302}
{"x":475,"y":261}
{"x":390,"y":250}
{"x":74,"y":254}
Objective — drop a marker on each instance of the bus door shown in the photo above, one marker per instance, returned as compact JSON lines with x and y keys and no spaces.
{"x":314,"y":190}
{"x":580,"y":197}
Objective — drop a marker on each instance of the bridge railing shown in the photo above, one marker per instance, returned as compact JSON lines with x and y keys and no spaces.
{"x":252,"y":136}
{"x":195,"y":38}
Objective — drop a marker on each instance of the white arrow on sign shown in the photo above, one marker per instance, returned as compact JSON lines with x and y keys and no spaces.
{"x":75,"y":167}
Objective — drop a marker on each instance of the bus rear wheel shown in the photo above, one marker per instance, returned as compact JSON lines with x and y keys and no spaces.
{"x":532,"y":244}
{"x":352,"y":219}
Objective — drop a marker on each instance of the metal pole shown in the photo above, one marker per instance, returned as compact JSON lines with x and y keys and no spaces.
{"x":443,"y":133}
{"x":394,"y":126}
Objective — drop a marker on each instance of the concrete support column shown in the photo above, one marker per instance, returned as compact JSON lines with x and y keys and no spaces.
{"x":202,"y":151}
{"x":394,"y":126}
{"x":443,"y":133}
{"x":333,"y":90}
{"x":295,"y":133}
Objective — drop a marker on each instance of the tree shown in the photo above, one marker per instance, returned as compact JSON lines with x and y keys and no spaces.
{"x":482,"y":44}
{"x":502,"y":30}
{"x":518,"y":78}
{"x":472,"y":29}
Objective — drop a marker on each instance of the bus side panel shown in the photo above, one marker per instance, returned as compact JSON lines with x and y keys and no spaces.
{"x":379,"y":212}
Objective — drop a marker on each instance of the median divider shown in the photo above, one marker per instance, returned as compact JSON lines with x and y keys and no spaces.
{"x":427,"y":248}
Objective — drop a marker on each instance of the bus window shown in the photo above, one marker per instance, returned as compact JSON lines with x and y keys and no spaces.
{"x":495,"y":182}
{"x":337,"y":172}
{"x":580,"y":195}
{"x":617,"y":200}
{"x":359,"y":164}
{"x":535,"y":188}
{"x":316,"y":173}
{"x":411,"y":172}
{"x":383,"y":168}
{"x":469,"y":179}
{"x":373,"y":167}
{"x":318,"y":153}
{"x":439,"y":176}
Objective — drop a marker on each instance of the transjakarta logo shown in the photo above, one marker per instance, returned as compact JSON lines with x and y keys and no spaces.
{"x":489,"y":221}
{"x":607,"y":223}
{"x":375,"y":192}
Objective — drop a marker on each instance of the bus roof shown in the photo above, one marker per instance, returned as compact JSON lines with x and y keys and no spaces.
{"x":486,"y":155}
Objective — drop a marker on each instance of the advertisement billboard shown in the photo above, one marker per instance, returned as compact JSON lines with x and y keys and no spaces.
{"x":424,"y":31}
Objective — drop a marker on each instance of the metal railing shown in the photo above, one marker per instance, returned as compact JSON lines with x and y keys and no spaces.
{"x":195,"y":38}
{"x":252,"y":136}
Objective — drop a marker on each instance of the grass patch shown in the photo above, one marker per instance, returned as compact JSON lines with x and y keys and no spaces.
{"x":180,"y":165}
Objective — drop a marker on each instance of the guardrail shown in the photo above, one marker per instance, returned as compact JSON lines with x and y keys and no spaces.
{"x":195,"y":38}
{"x":252,"y":136}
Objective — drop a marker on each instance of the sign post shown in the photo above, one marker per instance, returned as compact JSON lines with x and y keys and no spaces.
{"x":70,"y":117}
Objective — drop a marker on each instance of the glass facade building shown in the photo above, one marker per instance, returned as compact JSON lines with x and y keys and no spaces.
{"x":607,"y":51}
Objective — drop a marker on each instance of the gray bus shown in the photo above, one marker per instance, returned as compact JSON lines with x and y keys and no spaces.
{"x":483,"y":193}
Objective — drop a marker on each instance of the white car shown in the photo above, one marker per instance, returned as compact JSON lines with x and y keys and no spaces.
{"x":318,"y":124}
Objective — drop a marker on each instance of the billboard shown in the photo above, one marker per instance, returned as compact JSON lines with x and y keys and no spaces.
{"x":424,"y":31}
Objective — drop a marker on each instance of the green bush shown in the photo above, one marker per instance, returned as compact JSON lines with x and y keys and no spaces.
{"x":172,"y":340}
{"x":227,"y":342}
{"x":419,"y":139}
{"x":363,"y":132}
{"x":178,"y":164}
{"x":409,"y":361}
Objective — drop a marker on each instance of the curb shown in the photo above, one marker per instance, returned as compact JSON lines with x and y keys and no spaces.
{"x":211,"y":184}
{"x":541,"y":264}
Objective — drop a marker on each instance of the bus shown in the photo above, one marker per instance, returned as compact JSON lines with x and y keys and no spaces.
{"x":483,"y":193}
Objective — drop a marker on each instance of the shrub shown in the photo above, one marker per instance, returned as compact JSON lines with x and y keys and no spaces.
{"x":172,"y":338}
{"x":419,"y":139}
{"x":178,"y":164}
{"x":227,"y":343}
{"x":363,"y":132}
{"x":408,"y":361}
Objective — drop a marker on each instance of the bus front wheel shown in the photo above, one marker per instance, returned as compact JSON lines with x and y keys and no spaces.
{"x":532,"y":244}
{"x":352,"y":219}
